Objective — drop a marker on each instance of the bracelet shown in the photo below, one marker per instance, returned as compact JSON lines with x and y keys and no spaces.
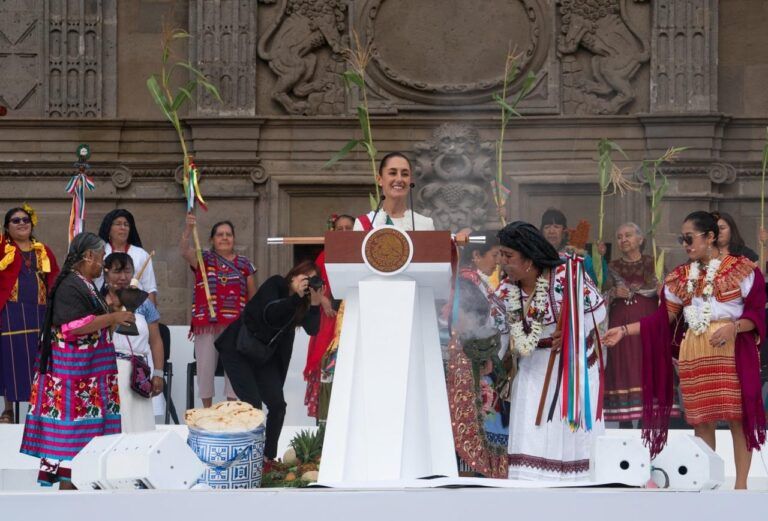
{"x":625,"y":331}
{"x":157,"y":372}
{"x":736,"y":327}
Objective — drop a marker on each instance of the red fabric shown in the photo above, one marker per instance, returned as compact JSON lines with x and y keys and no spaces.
{"x":318,"y":344}
{"x":365,"y":222}
{"x":657,"y":335}
{"x":9,"y":275}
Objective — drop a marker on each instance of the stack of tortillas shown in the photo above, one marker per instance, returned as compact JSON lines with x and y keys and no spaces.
{"x":225,"y":417}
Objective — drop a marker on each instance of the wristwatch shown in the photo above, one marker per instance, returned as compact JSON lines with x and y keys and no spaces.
{"x":157,"y":372}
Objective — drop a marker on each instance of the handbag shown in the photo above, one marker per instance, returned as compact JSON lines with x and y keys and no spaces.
{"x":141,"y":374}
{"x":253,"y":348}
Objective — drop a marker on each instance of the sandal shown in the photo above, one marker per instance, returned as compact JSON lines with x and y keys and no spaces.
{"x":6,"y":417}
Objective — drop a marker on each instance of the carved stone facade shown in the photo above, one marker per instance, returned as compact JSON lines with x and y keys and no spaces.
{"x":224,"y":50}
{"x":647,"y":74}
{"x":453,"y":171}
{"x":684,"y":65}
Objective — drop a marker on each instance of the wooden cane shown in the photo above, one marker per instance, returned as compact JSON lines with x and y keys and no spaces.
{"x":547,"y":377}
{"x":137,"y":278}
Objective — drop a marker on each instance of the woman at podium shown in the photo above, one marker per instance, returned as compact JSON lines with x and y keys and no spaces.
{"x":533,"y":294}
{"x":394,"y":178}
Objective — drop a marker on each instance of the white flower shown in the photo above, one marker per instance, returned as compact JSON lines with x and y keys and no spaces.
{"x":522,"y":343}
{"x":698,"y":320}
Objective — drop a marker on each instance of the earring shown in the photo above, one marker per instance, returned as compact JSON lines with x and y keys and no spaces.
{"x":528,"y":268}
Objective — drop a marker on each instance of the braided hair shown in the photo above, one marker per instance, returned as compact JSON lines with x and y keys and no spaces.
{"x":82,"y":243}
{"x":528,"y":240}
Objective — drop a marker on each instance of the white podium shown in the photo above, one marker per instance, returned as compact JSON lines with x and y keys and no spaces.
{"x":388,"y":418}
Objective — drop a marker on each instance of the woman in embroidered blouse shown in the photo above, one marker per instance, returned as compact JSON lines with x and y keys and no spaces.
{"x":231,"y":285}
{"x":74,"y":390}
{"x":135,"y":411}
{"x":533,"y":294}
{"x":118,"y":230}
{"x":27,"y":270}
{"x":722,"y":299}
{"x":394,"y":178}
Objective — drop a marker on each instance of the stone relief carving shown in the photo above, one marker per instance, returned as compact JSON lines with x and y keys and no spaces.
{"x":452,"y":171}
{"x":412,"y":69}
{"x":224,"y":51}
{"x":617,"y":49}
{"x":306,"y":83}
{"x":20,"y":55}
{"x":79,"y":44}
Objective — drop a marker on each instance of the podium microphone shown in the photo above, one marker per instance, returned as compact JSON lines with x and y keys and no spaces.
{"x":378,"y":207}
{"x":410,"y":197}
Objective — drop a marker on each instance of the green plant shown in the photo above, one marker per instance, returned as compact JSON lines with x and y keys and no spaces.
{"x":508,"y":111}
{"x":358,"y":56}
{"x":658,"y":183}
{"x":308,"y":444}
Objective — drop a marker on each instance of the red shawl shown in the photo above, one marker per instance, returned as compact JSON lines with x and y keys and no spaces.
{"x":657,"y":338}
{"x":318,"y":344}
{"x":10,"y":274}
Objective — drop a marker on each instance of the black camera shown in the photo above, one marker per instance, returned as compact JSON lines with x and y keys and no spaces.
{"x":315,"y":282}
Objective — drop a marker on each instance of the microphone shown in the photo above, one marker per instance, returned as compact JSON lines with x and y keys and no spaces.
{"x":378,"y":207}
{"x":410,"y":197}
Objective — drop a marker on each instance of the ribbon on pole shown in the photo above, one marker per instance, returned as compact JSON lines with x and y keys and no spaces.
{"x":76,"y":187}
{"x":192,"y":192}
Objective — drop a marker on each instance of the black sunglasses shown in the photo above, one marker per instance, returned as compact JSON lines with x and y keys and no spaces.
{"x":688,"y":239}
{"x":21,"y":220}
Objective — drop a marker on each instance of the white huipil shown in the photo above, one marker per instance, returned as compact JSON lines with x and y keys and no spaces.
{"x":406,"y":222}
{"x":551,"y":451}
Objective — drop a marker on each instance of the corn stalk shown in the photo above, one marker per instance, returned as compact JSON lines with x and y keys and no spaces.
{"x":508,"y":111}
{"x":609,"y":176}
{"x":170,"y":104}
{"x":658,"y":183}
{"x":358,"y":56}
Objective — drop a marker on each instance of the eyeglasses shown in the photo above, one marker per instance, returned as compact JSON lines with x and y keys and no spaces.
{"x":21,"y":220}
{"x":688,"y":239}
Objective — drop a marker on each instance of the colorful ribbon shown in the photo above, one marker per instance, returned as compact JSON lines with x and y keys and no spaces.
{"x":76,"y":187}
{"x":192,"y":189}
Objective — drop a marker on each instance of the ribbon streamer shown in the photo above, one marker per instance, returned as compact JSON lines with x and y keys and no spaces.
{"x":76,"y":187}
{"x":192,"y":188}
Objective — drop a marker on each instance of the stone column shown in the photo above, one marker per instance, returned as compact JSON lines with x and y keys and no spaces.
{"x":223,"y":47}
{"x":684,"y":56}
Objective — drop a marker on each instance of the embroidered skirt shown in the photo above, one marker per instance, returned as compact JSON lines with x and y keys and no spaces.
{"x":708,"y":378}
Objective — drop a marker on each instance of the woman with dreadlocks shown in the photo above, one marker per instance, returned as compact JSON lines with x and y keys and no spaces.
{"x":74,"y":391}
{"x":533,"y":293}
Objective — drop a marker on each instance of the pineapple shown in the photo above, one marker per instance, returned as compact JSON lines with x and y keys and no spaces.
{"x":308,"y":445}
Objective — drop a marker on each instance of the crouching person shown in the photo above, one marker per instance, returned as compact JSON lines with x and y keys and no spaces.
{"x":256,"y":349}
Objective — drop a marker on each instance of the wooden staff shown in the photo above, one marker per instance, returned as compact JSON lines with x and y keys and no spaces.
{"x":548,"y":375}
{"x":137,"y":278}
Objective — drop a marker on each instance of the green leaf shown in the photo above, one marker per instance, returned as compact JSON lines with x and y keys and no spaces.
{"x":212,"y":90}
{"x":185,"y":92}
{"x":180,"y":33}
{"x":365,"y":124}
{"x":597,"y":265}
{"x":369,"y":148}
{"x":157,"y":95}
{"x":506,"y":106}
{"x":353,"y":78}
{"x":660,"y":265}
{"x":373,"y":201}
{"x":341,"y":153}
{"x":526,"y":88}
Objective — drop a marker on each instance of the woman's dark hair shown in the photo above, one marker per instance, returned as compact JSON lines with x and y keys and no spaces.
{"x":82,"y":243}
{"x":301,"y":268}
{"x":7,"y":222}
{"x":553,"y":216}
{"x":526,"y":239}
{"x":106,"y":224}
{"x":343,"y":216}
{"x":116,"y":261}
{"x":215,"y":227}
{"x":704,"y":222}
{"x":491,"y":241}
{"x":736,"y":244}
{"x":391,"y":155}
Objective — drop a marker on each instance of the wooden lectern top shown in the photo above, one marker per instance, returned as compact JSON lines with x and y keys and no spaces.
{"x":346,"y":247}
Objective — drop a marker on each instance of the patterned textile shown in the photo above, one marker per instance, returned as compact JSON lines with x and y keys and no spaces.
{"x":474,"y":403}
{"x":20,"y":322}
{"x":228,"y":284}
{"x":708,"y":379}
{"x":77,"y":398}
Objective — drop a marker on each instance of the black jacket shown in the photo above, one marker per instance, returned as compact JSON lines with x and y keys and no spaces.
{"x":269,"y":311}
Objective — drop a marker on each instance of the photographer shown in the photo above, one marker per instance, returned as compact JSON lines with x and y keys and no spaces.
{"x":256,"y":359}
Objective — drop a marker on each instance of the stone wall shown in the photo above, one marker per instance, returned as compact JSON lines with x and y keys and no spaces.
{"x":647,"y":74}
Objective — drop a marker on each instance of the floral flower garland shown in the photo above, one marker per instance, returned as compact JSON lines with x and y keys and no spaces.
{"x":524,"y":343}
{"x":698,"y":319}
